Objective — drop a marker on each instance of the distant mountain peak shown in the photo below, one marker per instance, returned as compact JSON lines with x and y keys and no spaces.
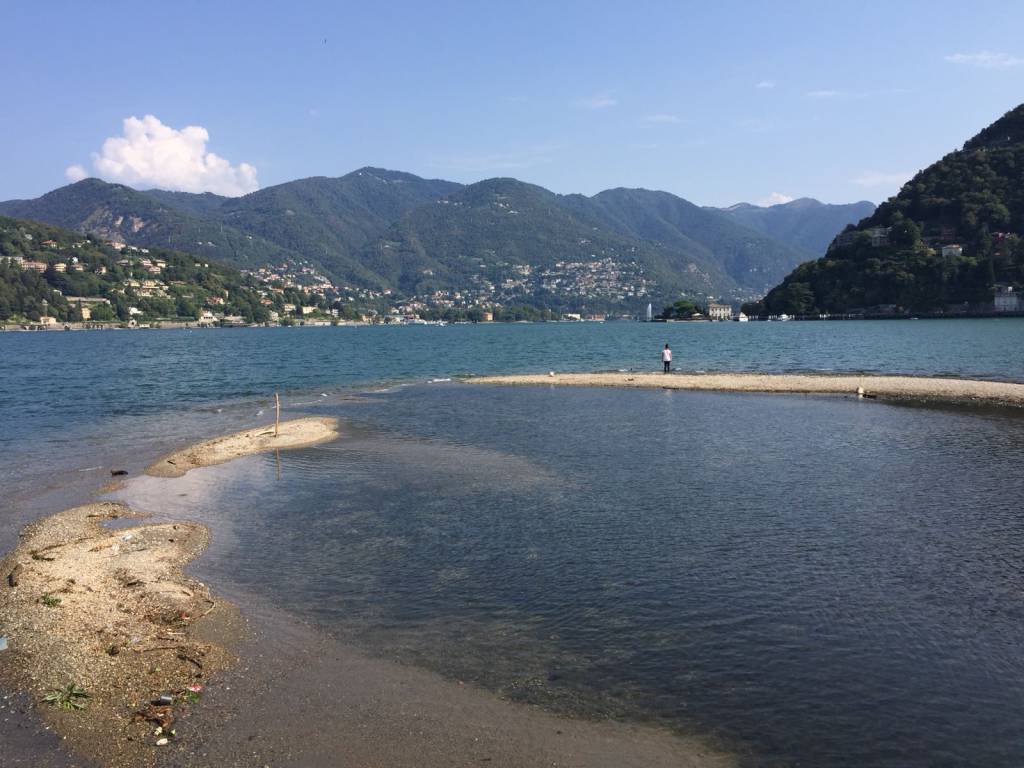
{"x":802,"y":203}
{"x":804,"y":223}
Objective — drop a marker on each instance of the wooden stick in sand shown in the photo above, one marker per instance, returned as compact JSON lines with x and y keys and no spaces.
{"x":277,"y":414}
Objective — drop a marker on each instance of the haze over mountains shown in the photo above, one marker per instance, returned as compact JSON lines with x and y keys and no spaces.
{"x":433,"y":238}
{"x":804,"y":223}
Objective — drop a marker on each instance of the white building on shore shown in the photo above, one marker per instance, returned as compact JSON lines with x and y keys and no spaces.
{"x":1006,"y":299}
{"x":718,"y":311}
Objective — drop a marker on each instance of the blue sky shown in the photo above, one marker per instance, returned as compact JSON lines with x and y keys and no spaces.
{"x":717,"y":102}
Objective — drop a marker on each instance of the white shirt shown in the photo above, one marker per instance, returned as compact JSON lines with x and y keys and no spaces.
{"x":666,"y":355}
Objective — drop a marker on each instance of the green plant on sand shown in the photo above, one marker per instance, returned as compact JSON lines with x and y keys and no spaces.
{"x":69,"y":697}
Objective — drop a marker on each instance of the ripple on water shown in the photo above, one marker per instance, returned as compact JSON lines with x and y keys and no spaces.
{"x":815,"y":580}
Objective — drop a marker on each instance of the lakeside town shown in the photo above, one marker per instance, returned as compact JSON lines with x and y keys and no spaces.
{"x":94,"y":284}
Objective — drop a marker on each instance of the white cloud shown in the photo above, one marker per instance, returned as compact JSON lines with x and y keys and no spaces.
{"x":76,"y":173}
{"x":766,"y":84}
{"x":663,"y":117}
{"x":883,"y":178}
{"x":151,"y":154}
{"x":597,"y":101}
{"x":986,"y":60}
{"x":824,"y":94}
{"x":775,"y":198}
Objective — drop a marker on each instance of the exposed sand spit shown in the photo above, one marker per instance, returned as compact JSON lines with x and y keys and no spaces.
{"x":110,"y":612}
{"x":891,"y":387}
{"x":296,"y":433}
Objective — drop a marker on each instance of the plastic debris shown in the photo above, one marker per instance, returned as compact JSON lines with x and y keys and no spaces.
{"x":3,"y":643}
{"x":161,"y":742}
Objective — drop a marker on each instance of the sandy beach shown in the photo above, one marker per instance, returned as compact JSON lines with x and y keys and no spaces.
{"x":912,"y":388}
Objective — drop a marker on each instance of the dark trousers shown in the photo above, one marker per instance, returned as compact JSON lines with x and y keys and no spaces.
{"x":668,"y":366}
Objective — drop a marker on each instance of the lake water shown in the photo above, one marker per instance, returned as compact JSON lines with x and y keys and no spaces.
{"x":809,"y":580}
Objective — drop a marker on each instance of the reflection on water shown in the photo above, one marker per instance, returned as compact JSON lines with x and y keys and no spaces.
{"x":819,"y":581}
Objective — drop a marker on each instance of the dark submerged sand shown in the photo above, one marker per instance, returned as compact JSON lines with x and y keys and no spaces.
{"x":299,"y":697}
{"x":276,"y":691}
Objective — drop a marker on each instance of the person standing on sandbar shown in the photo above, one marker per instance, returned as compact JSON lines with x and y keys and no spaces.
{"x":666,"y":358}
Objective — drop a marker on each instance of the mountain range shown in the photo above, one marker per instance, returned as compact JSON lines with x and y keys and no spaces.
{"x":425,"y":238}
{"x":949,"y":241}
{"x":804,"y":223}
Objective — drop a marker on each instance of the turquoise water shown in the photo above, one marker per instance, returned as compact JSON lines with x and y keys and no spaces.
{"x":80,"y":401}
{"x":816,"y":581}
{"x":54,"y":380}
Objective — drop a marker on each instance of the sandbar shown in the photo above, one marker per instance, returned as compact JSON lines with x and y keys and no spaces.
{"x":911,"y":388}
{"x":296,"y":433}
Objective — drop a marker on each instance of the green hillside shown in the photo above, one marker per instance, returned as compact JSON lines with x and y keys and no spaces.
{"x":329,"y":220}
{"x":951,"y":235}
{"x":499,"y":241}
{"x":503,"y":232}
{"x":118,"y":213}
{"x":742,"y":259}
{"x":45,"y":270}
{"x":806,"y":225}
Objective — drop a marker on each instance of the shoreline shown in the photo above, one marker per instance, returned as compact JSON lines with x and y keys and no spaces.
{"x":111,"y":610}
{"x":896,"y":388}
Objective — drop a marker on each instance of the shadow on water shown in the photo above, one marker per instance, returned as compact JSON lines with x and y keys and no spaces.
{"x":816,"y":580}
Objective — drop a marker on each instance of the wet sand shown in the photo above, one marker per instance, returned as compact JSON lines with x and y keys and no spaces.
{"x":301,"y":698}
{"x":128,"y":626}
{"x":109,"y":612}
{"x":297,"y":433}
{"x":913,"y":388}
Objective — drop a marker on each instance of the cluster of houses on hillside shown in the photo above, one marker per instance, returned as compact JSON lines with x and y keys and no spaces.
{"x":306,"y":277}
{"x":503,"y":283}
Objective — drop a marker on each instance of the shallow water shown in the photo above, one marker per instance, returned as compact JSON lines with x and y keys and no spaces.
{"x":80,"y":402}
{"x":815,"y":581}
{"x":812,"y":580}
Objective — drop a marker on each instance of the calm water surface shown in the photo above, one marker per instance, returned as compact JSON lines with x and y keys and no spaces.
{"x":814,"y":581}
